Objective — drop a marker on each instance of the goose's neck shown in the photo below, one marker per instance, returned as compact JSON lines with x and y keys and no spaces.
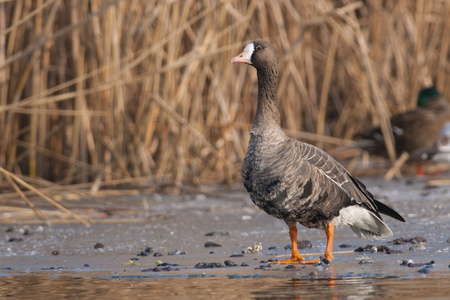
{"x":267,"y":108}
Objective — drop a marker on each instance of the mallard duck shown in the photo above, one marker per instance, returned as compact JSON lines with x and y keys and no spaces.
{"x":439,"y":151}
{"x":297,"y":182}
{"x":412,"y":130}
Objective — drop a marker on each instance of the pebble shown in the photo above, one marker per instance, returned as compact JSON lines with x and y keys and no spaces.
{"x":86,"y":265}
{"x":313,"y":274}
{"x":159,"y":269}
{"x":424,"y":271}
{"x":246,"y":265}
{"x":99,"y":246}
{"x":218,"y":233}
{"x":237,"y":255}
{"x":413,"y":240}
{"x":143,"y":253}
{"x":55,"y":252}
{"x":448,"y":240}
{"x":177,"y":252}
{"x":323,"y":262}
{"x":230,"y":263}
{"x":345,"y":246}
{"x":14,"y":239}
{"x":211,"y":265}
{"x":411,"y":264}
{"x":406,"y":261}
{"x":272,"y":248}
{"x":300,"y":245}
{"x":149,"y":250}
{"x":304,"y":244}
{"x":256,"y":248}
{"x":157,"y":254}
{"x":212,"y":244}
{"x":366,"y":261}
{"x":290,"y":267}
{"x":417,"y":247}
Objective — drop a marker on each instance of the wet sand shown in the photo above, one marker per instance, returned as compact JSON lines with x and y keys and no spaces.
{"x":28,"y":266}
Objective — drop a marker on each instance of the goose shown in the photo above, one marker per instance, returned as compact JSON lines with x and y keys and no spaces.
{"x":297,"y":182}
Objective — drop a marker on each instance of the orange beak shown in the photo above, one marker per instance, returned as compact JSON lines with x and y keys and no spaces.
{"x":243,"y":58}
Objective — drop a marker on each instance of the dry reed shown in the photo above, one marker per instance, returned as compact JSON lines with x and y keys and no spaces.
{"x":96,"y":91}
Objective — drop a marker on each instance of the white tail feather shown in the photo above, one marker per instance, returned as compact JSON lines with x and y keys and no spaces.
{"x":363,"y":222}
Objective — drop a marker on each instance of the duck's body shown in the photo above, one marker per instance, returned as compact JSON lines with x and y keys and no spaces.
{"x":439,"y":151}
{"x":298,"y":182}
{"x":414,"y":130}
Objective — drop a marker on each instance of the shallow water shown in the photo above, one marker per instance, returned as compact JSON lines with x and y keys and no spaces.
{"x":27,"y":268}
{"x":67,"y":287}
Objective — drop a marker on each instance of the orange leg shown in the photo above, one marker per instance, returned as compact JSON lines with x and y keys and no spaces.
{"x":297,"y":258}
{"x":419,"y":169}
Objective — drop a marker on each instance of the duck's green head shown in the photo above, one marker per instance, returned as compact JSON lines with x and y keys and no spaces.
{"x":426,"y":94}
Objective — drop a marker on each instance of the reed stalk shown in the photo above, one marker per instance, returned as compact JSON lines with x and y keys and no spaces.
{"x":114,"y":90}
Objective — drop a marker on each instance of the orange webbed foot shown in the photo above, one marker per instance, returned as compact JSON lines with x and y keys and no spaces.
{"x":297,"y":259}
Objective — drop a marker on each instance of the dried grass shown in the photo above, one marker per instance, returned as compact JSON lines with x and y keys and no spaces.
{"x":103,"y":91}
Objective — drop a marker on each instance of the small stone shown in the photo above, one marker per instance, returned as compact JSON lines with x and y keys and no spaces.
{"x":157,"y":254}
{"x":324,"y":260}
{"x":230,"y":263}
{"x":359,"y":249}
{"x":417,"y":247}
{"x":366,"y":261}
{"x":345,"y":246}
{"x":313,"y":274}
{"x":9,"y":229}
{"x":399,"y":241}
{"x":256,"y":248}
{"x":176,"y":252}
{"x":384,"y":249}
{"x":237,"y":255}
{"x":218,"y":233}
{"x":290,"y":267}
{"x":374,"y":249}
{"x":27,"y":232}
{"x":272,"y":248}
{"x":156,"y":269}
{"x":304,"y":244}
{"x":246,"y":265}
{"x":212,"y":244}
{"x":99,"y":246}
{"x":424,"y":271}
{"x":14,"y":239}
{"x":203,"y":265}
{"x":134,"y":258}
{"x":418,"y":239}
{"x":448,"y":240}
{"x":55,"y":252}
{"x":143,"y":253}
{"x":406,"y":262}
{"x":149,"y":250}
{"x":86,"y":266}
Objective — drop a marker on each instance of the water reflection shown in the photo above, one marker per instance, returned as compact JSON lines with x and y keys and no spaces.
{"x":67,"y":287}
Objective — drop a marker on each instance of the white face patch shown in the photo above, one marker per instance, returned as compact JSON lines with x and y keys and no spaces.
{"x":248,"y":52}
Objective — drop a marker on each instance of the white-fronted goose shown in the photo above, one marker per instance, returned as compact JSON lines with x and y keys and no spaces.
{"x":295,"y":181}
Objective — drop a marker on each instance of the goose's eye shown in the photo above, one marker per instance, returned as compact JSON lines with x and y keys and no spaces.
{"x":258,"y":48}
